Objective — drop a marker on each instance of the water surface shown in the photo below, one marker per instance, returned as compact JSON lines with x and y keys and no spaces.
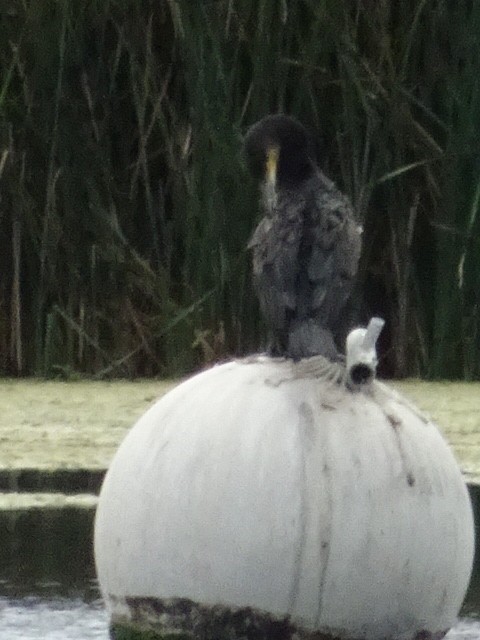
{"x":62,"y":618}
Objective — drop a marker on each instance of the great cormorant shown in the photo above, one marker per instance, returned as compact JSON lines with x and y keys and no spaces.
{"x":307,"y":246}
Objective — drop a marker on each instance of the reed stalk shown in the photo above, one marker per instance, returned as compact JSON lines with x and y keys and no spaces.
{"x":126,"y":206}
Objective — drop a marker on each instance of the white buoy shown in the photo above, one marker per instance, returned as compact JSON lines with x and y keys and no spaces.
{"x":265,"y":497}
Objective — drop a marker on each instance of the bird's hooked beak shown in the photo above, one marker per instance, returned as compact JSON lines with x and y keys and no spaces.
{"x":272,"y":163}
{"x":271,"y":175}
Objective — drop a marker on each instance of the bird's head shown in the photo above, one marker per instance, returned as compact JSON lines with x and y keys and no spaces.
{"x":280,"y":151}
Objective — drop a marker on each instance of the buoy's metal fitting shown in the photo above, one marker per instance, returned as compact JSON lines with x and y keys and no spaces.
{"x":361,"y":360}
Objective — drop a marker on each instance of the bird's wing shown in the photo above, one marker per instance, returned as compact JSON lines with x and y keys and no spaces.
{"x":275,"y":244}
{"x":335,"y":248}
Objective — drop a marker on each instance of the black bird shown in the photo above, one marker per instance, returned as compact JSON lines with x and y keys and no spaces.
{"x":307,"y":246}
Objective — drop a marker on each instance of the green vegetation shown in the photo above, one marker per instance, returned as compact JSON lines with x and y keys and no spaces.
{"x":126,"y":207}
{"x":128,"y":631}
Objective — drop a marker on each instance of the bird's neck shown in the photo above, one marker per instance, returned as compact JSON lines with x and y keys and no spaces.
{"x":294,"y":170}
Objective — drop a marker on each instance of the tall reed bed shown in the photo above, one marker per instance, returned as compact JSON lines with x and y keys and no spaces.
{"x":126,"y":207}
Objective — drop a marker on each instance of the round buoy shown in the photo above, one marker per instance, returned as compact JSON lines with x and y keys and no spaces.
{"x":264,"y":499}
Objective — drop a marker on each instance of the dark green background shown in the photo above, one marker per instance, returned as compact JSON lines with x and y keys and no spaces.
{"x":125,"y":205}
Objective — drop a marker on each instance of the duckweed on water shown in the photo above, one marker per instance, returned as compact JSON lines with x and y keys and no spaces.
{"x":73,"y":425}
{"x":455,"y":407}
{"x":69,"y":425}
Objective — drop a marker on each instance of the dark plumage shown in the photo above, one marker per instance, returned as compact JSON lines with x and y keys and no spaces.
{"x":306,"y":248}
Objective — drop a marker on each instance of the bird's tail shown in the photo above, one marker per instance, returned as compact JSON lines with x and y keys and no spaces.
{"x":306,"y":339}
